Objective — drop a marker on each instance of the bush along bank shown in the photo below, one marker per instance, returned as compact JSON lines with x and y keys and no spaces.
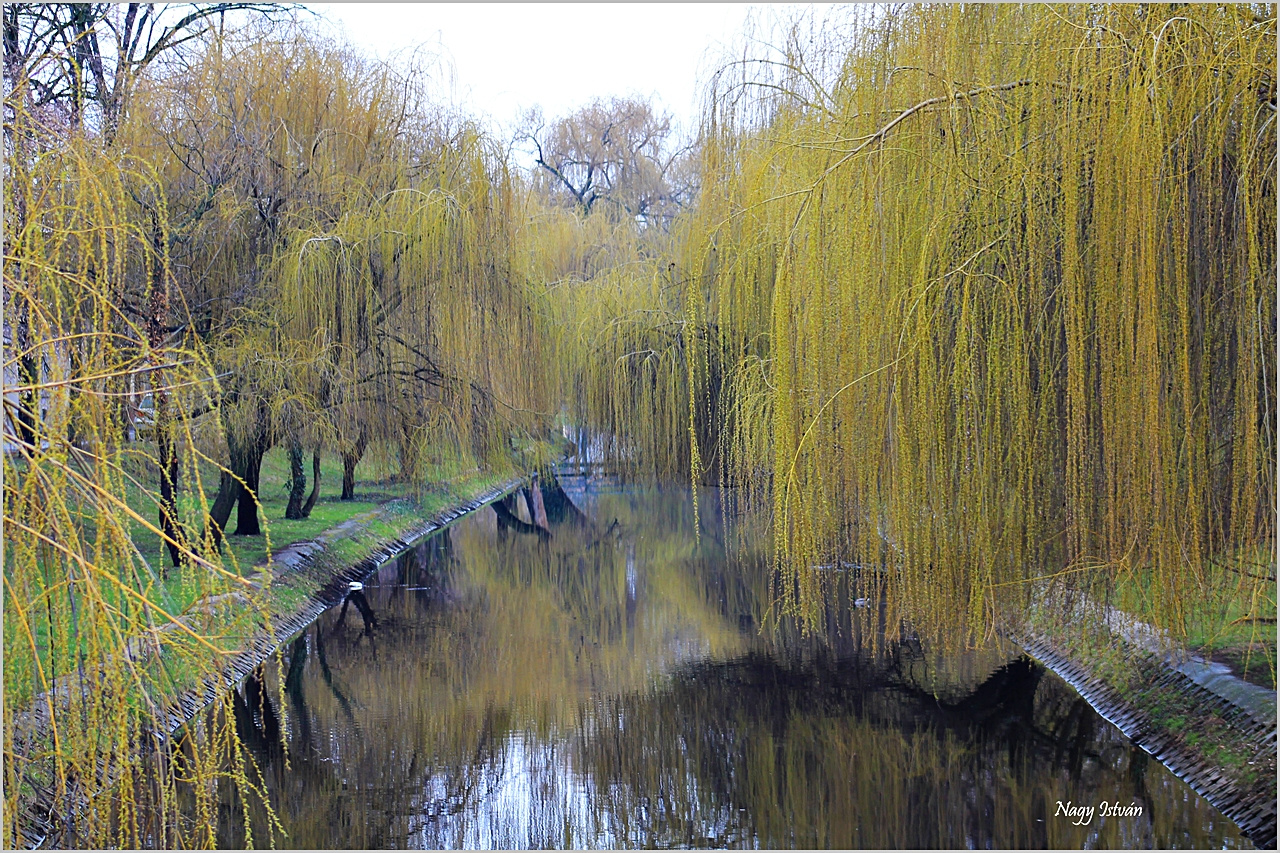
{"x":1212,"y":729}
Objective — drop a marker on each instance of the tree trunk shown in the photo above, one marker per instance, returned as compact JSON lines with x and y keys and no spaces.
{"x":315,"y":485}
{"x":166,"y":452}
{"x":76,"y":368}
{"x":408,"y":454}
{"x":297,"y":482}
{"x":167,"y":457}
{"x":29,"y":376}
{"x":349,"y":461}
{"x":247,"y":510}
{"x":29,"y":401}
{"x":228,"y":491}
{"x":229,"y":488}
{"x":127,"y":431}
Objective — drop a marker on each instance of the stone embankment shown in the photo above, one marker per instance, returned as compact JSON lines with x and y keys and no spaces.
{"x":312,"y":565}
{"x":1213,"y":730}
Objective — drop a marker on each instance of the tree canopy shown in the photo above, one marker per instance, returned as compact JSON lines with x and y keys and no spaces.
{"x":618,"y":153}
{"x":976,"y":298}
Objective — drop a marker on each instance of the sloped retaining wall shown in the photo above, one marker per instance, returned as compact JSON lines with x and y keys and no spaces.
{"x":311,"y":560}
{"x":314,"y":560}
{"x":1252,"y":807}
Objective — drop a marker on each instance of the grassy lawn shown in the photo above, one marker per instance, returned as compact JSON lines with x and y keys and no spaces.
{"x":374,"y":485}
{"x":446,"y":483}
{"x":1232,"y":622}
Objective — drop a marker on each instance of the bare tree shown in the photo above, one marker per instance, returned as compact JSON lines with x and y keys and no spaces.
{"x":617,"y":152}
{"x":86,"y":58}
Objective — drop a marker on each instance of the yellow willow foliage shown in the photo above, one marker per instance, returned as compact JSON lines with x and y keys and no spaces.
{"x":560,"y":246}
{"x":284,"y":125}
{"x":626,"y":340}
{"x":268,"y":133}
{"x":308,"y":171}
{"x":422,"y":296}
{"x":284,"y":372}
{"x":620,"y":333}
{"x":1005,"y":307}
{"x":270,"y":130}
{"x":96,"y":645}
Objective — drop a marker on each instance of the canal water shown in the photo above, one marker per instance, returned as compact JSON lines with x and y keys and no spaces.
{"x":611,"y":686}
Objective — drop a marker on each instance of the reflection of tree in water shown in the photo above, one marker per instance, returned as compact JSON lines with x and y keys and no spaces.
{"x":831,"y":752}
{"x":393,"y":733}
{"x":605,"y":690}
{"x":351,"y":785}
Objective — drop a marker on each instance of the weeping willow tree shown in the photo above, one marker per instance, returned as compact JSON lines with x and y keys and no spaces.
{"x":360,"y":235}
{"x":626,"y":374}
{"x":284,"y":243}
{"x":269,"y":130}
{"x":618,"y":308}
{"x":996,"y":297}
{"x":97,"y":647}
{"x":424,"y":304}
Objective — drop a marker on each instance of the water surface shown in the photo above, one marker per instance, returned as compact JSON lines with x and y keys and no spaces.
{"x":612,"y":687}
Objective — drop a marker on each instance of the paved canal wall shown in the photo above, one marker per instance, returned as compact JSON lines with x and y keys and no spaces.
{"x":309,"y":564}
{"x":1212,"y":730}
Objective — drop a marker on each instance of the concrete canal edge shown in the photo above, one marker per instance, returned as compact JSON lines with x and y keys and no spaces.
{"x":309,"y":563}
{"x":313,"y":561}
{"x":1239,"y":713}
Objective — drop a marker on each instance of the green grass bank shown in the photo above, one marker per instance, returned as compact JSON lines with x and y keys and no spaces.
{"x":1208,"y":725}
{"x":296,"y":570}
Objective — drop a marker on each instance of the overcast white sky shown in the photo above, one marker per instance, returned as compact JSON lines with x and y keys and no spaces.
{"x":508,"y":57}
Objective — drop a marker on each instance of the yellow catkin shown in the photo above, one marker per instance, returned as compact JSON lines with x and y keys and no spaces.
{"x":81,"y":601}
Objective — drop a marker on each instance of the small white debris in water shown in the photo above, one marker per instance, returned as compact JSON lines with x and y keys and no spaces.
{"x":862,"y":602}
{"x":355,"y":585}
